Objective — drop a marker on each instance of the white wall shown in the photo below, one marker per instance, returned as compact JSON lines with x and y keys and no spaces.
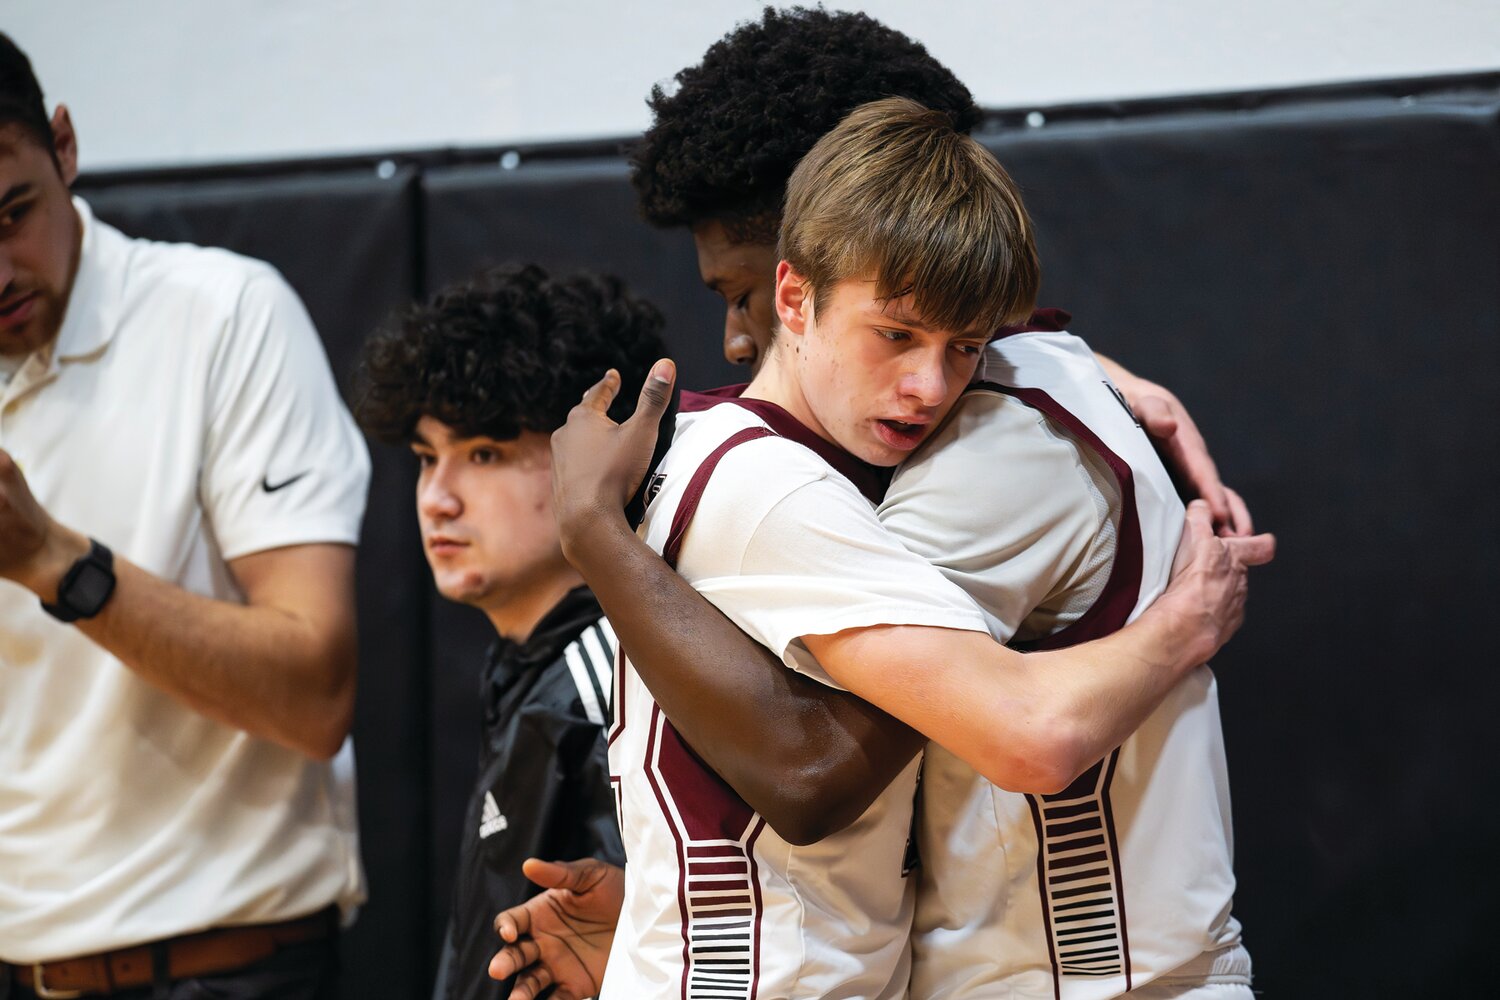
{"x":191,"y":81}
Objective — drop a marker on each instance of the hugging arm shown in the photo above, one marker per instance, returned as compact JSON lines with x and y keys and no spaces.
{"x":1181,"y":446}
{"x":807,"y":757}
{"x":1033,"y":722}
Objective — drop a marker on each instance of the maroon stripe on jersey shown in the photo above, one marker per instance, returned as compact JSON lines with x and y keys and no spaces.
{"x":1041,"y":321}
{"x":688,"y":505}
{"x":718,"y":880}
{"x":1041,"y":877}
{"x":617,"y":725}
{"x":710,"y":809}
{"x":1117,"y":600}
{"x":1114,"y":849}
{"x":870,"y":480}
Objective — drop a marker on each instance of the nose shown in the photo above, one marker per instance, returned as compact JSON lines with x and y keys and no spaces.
{"x":739,"y":346}
{"x":436,"y":498}
{"x":926,"y":379}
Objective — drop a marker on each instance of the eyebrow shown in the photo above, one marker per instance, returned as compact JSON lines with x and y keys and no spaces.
{"x":16,"y":191}
{"x":907,"y":320}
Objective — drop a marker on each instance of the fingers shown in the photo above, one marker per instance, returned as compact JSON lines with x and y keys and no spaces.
{"x":531,"y":983}
{"x":1189,"y":454}
{"x":1252,"y":550}
{"x":574,"y":875}
{"x":601,"y":394}
{"x":656,"y":393}
{"x":514,"y":923}
{"x":1195,"y":524}
{"x":1155,"y":415}
{"x":512,"y":958}
{"x":1175,"y":434}
{"x":1239,"y":522}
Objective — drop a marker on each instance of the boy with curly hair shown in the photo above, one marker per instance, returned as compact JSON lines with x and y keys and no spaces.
{"x":475,"y":381}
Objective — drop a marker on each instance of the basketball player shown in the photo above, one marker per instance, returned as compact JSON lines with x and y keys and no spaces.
{"x":738,"y":881}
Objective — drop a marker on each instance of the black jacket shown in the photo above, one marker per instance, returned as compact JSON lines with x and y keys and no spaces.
{"x":543,"y":788}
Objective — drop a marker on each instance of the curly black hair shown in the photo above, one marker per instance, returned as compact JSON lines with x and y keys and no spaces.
{"x":723,"y":144}
{"x":509,"y":350}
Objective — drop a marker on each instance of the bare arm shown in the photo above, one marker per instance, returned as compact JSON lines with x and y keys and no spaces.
{"x":808,"y":758}
{"x":1034,"y":722}
{"x":1181,"y":445}
{"x":280,"y":666}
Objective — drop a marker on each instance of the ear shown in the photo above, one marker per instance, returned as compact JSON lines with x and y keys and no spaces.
{"x":794,"y":299}
{"x":65,"y":144}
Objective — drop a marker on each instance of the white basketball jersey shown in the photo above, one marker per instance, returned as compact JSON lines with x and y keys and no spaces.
{"x":717,"y":905}
{"x":1126,"y":875}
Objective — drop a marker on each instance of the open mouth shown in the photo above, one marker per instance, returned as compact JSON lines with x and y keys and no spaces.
{"x":900,"y":434}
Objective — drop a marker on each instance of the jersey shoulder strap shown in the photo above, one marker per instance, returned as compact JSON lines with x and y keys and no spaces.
{"x":688,"y":505}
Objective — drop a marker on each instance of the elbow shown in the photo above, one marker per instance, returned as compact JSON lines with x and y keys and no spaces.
{"x":1045,"y":763}
{"x":797,"y":832}
{"x":323,"y":741}
{"x":802,"y":810}
{"x":327,"y":712}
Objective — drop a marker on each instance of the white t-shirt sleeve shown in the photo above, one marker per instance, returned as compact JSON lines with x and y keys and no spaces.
{"x":283,"y":461}
{"x":802,"y":553}
{"x":1011,"y":510}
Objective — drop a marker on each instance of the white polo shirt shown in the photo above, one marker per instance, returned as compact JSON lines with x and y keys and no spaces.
{"x":185,"y":416}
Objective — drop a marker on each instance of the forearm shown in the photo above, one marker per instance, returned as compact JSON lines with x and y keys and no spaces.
{"x":1027,"y":722}
{"x":1099,"y":693}
{"x":807,"y":757}
{"x":267,"y":669}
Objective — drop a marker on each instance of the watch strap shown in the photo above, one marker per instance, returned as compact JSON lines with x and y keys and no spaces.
{"x":94,"y":571}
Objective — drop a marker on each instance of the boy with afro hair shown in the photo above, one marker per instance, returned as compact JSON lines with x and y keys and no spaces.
{"x":727,"y":134}
{"x":475,"y":381}
{"x":717,"y":159}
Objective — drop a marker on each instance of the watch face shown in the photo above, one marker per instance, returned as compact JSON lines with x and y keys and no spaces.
{"x":89,"y":589}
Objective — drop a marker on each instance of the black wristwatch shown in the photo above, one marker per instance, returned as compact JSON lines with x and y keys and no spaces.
{"x":85,"y":586}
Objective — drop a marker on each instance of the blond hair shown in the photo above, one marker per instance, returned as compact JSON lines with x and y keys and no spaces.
{"x":895,"y":192}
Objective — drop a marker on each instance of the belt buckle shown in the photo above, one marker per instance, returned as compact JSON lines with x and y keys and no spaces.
{"x":40,"y":988}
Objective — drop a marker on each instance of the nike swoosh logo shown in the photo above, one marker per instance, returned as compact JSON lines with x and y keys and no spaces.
{"x":265,"y":483}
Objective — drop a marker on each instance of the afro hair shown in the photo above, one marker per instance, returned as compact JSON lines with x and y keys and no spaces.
{"x":507,"y":351}
{"x":723,"y":144}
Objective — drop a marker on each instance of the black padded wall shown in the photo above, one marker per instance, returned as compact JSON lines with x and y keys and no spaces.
{"x":346,"y":241}
{"x":1321,"y":284}
{"x":1316,"y":274}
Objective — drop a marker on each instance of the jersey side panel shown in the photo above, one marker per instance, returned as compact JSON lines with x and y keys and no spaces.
{"x":1127,"y":874}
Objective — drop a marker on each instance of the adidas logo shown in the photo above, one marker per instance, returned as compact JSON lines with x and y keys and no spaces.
{"x":491,"y":821}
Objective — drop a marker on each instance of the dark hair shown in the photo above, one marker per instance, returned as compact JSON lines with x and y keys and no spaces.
{"x":21,"y":95}
{"x":722,"y":146}
{"x":507,"y":351}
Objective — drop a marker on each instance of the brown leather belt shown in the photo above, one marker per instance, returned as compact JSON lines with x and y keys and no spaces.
{"x":222,"y":949}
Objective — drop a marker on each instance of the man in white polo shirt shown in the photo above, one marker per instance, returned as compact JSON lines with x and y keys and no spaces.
{"x":180,"y":492}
